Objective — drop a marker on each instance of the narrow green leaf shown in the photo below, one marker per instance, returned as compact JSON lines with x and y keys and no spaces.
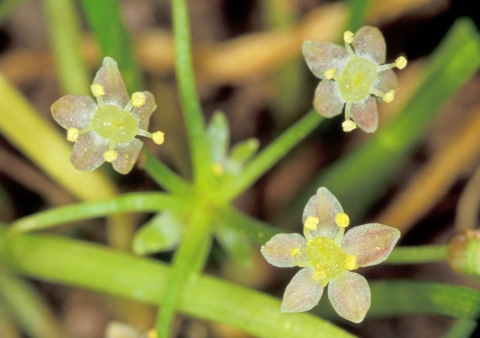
{"x":161,"y":233}
{"x":218,"y":134}
{"x":462,"y":328}
{"x":99,"y":268}
{"x":358,"y":9}
{"x":418,"y":254}
{"x":105,"y":19}
{"x":240,"y":154}
{"x":235,"y":244}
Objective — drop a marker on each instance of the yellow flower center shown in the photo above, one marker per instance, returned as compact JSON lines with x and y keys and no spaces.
{"x":115,"y":124}
{"x":328,"y":258}
{"x":357,"y":77}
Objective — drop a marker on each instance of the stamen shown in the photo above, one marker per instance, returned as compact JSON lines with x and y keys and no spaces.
{"x":330,"y":73}
{"x":377,"y":92}
{"x":138,"y":99}
{"x":342,"y":220}
{"x":339,"y":236}
{"x":306,"y":233}
{"x":389,"y":96}
{"x":73,"y":134}
{"x":349,"y":125}
{"x":128,"y":107}
{"x":351,"y":262}
{"x":110,"y":155}
{"x":98,"y":91}
{"x":311,"y":223}
{"x":348,"y":110}
{"x":348,"y":38}
{"x":295,"y":252}
{"x":158,"y":137}
{"x":401,"y":62}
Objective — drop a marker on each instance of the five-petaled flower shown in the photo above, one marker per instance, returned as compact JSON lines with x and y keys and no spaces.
{"x":328,"y":257}
{"x":350,"y":76}
{"x":106,"y":131}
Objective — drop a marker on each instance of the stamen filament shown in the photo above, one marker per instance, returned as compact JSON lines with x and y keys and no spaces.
{"x":302,"y":264}
{"x":128,"y":107}
{"x":339,"y":236}
{"x":348,"y":110}
{"x":381,"y":68}
{"x":348,"y":38}
{"x":306,"y":233}
{"x":100,"y":102}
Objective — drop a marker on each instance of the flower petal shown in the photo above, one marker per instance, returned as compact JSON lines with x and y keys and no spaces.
{"x":74,"y":111}
{"x":127,"y":154}
{"x":277,"y":250}
{"x":369,"y":43}
{"x":110,"y":78}
{"x":365,"y":115}
{"x":349,"y":294}
{"x":386,"y":80}
{"x":321,"y":56}
{"x":302,"y":293}
{"x":87,"y":153}
{"x":325,"y":206}
{"x":142,"y":114}
{"x":371,"y":243}
{"x":327,"y":100}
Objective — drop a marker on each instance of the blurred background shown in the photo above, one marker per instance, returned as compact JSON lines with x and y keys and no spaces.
{"x":249,"y":65}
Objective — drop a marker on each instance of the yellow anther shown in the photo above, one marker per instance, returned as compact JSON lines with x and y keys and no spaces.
{"x":311,"y":223}
{"x":158,"y":137}
{"x":152,"y":333}
{"x":389,"y":96}
{"x":349,"y":125}
{"x":330,"y":73}
{"x":110,"y":155}
{"x":319,"y":275}
{"x":295,"y":252}
{"x":217,"y":169}
{"x":342,"y":220}
{"x":97,"y":90}
{"x":351,"y":262}
{"x":138,"y":99}
{"x":348,"y":37}
{"x":72,"y":134}
{"x":401,"y":62}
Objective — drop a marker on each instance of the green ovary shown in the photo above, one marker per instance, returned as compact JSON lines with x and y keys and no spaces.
{"x":115,"y":124}
{"x":356,"y":79}
{"x":326,"y":256}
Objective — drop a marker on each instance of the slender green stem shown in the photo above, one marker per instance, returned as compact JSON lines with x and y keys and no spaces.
{"x":358,"y":10}
{"x":418,"y":254}
{"x":271,"y":155}
{"x":462,"y":328}
{"x":99,"y":268}
{"x":192,"y":111}
{"x":65,"y":37}
{"x":165,"y":177}
{"x":122,"y":204}
{"x":188,"y":263}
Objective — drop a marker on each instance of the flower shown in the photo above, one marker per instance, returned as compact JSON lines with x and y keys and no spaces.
{"x":106,"y":131}
{"x":327,"y":256}
{"x":350,"y":76}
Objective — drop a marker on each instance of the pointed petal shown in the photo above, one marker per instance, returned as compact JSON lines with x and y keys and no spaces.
{"x":365,"y":115}
{"x":349,"y":294}
{"x":277,"y":250}
{"x":371,"y":243}
{"x":321,"y":56}
{"x":327,"y":100}
{"x":142,"y":114}
{"x":87,"y":153}
{"x":127,"y":154}
{"x":369,"y":43}
{"x":325,"y":206}
{"x":302,"y":293}
{"x":74,"y":111}
{"x":110,"y":78}
{"x":386,"y":81}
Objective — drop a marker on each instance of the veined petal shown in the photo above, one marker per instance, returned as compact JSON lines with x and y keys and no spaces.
{"x":127,"y":154}
{"x":277,"y":250}
{"x":321,"y":56}
{"x":327,"y":100}
{"x":386,"y":80}
{"x":369,"y":42}
{"x":142,"y":114}
{"x":302,"y":293}
{"x":111,"y":80}
{"x":349,"y":294}
{"x":87,"y":153}
{"x":74,"y":111}
{"x":371,"y":243}
{"x":365,"y":115}
{"x":325,"y":206}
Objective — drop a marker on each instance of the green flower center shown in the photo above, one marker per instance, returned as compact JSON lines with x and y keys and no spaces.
{"x":326,"y":256}
{"x":114,"y":124}
{"x":356,"y":79}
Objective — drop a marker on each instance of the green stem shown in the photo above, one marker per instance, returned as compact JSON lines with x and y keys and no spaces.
{"x":165,"y":177}
{"x":125,"y":203}
{"x":65,"y":37}
{"x":192,"y":111}
{"x":188,"y":263}
{"x":418,"y":254}
{"x":271,"y":155}
{"x":99,"y":268}
{"x":462,"y":328}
